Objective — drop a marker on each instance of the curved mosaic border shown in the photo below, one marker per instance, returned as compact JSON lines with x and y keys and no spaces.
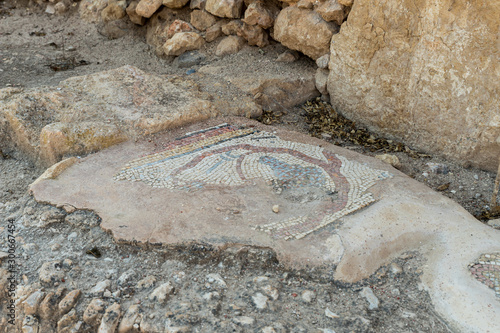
{"x":486,"y":270}
{"x":226,"y":155}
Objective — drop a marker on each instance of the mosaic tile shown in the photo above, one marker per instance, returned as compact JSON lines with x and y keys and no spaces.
{"x":226,"y":155}
{"x":486,"y":269}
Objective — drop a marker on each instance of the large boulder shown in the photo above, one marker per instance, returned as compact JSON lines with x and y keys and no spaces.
{"x":424,"y":73}
{"x":304,"y":30}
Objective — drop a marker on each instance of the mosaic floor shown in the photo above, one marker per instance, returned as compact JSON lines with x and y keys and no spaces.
{"x":487,"y":270}
{"x":226,"y":155}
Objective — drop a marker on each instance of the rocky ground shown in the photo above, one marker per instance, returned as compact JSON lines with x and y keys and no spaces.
{"x":71,"y":271}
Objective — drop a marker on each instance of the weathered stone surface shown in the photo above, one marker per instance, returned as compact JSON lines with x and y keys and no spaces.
{"x":130,"y":317}
{"x":321,"y":79}
{"x":288,"y":56}
{"x":69,"y":301}
{"x":404,"y":215}
{"x":88,"y":113}
{"x":67,"y":322}
{"x":48,"y":306}
{"x":225,"y":8}
{"x":229,"y":45}
{"x":51,"y":272}
{"x":254,"y":35}
{"x":276,"y":90}
{"x":175,"y":3}
{"x":146,"y":8}
{"x":214,"y":32}
{"x":94,"y":312}
{"x":323,"y":61}
{"x":347,"y":3}
{"x":61,"y":139}
{"x":427,"y":76}
{"x":331,"y":10}
{"x":161,"y":294}
{"x":202,"y":20}
{"x":197,"y":4}
{"x":114,"y":11}
{"x":178,"y":26}
{"x":90,"y":10}
{"x":132,"y":14}
{"x":182,"y":42}
{"x":257,"y":13}
{"x":304,"y":30}
{"x":110,"y":319}
{"x":233,"y":27}
{"x":390,"y":159}
{"x":31,"y":304}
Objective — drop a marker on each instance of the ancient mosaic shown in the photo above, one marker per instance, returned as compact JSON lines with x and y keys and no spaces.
{"x":226,"y":155}
{"x":486,"y":269}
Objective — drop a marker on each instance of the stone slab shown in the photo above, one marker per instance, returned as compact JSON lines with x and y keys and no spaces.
{"x":336,"y":207}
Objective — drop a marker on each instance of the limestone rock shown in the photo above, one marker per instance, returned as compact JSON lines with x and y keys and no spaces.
{"x":162,"y":293}
{"x":254,"y":35}
{"x":213,"y":32}
{"x":146,"y":8}
{"x":94,"y":312}
{"x":435,"y":64}
{"x":132,"y":14}
{"x":347,"y":3}
{"x":202,"y":20}
{"x":114,"y":11}
{"x":373,"y":301}
{"x":182,"y":42}
{"x":278,"y":91}
{"x":90,"y":10}
{"x":230,"y":45}
{"x":100,"y":287}
{"x":321,"y":79}
{"x":323,"y":61}
{"x":67,"y":322}
{"x":305,"y":4}
{"x":69,"y":301}
{"x":308,"y":296}
{"x":175,"y":3}
{"x":304,"y":30}
{"x":178,"y":26}
{"x":87,"y":113}
{"x":390,"y":159}
{"x":197,"y":4}
{"x":48,"y":306}
{"x":233,"y":27}
{"x":225,"y":8}
{"x":331,"y":10}
{"x":60,"y":139}
{"x":146,"y":283}
{"x":288,"y":56}
{"x":51,"y":272}
{"x":60,"y":8}
{"x":32,"y":303}
{"x":110,"y":319}
{"x":129,"y":319}
{"x":257,"y":13}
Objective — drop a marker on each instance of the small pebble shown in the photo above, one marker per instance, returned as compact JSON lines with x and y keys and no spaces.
{"x":276,"y":208}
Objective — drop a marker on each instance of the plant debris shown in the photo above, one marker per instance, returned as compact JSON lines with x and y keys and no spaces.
{"x":64,"y":64}
{"x":324,"y":122}
{"x":488,"y":214}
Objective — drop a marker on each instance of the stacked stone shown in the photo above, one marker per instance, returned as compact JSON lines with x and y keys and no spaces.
{"x":178,"y":26}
